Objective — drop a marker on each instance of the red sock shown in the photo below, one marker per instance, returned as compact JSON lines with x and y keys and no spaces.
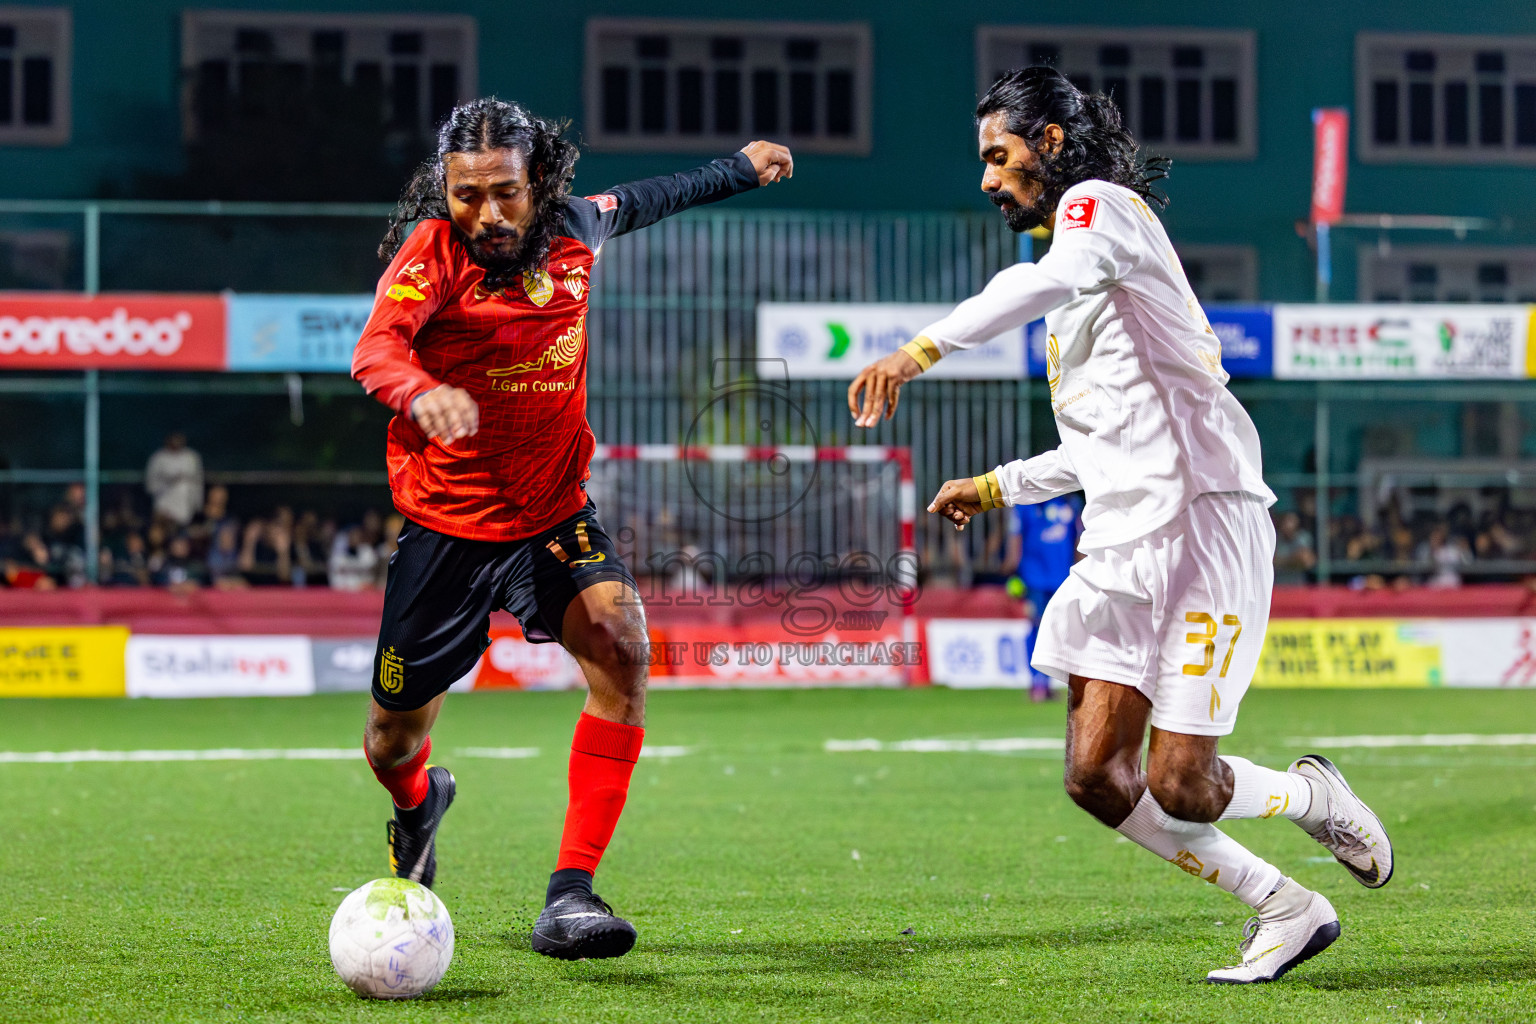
{"x":407,"y":783}
{"x":603,"y":756}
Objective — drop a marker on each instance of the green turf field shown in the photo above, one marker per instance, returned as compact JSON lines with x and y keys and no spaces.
{"x":769,"y":879}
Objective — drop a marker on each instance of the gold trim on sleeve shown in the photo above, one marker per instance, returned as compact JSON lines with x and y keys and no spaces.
{"x":990,"y":490}
{"x":924,"y":351}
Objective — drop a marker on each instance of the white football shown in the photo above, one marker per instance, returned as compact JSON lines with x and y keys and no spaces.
{"x":391,"y":939}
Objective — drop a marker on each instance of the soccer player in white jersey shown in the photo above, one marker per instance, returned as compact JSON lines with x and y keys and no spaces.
{"x":1162,"y":620}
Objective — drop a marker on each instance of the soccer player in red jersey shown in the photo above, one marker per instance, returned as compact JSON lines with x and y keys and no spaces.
{"x":478,"y":342}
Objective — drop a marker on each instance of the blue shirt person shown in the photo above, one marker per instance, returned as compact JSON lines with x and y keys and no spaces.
{"x":1042,"y":544}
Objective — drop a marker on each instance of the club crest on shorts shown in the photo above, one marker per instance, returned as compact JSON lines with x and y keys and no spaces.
{"x":538,"y":286}
{"x":391,"y":672}
{"x":1078,"y":213}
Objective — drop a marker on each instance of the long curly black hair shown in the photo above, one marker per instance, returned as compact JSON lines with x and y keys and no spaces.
{"x":1095,"y":143}
{"x":477,"y":127}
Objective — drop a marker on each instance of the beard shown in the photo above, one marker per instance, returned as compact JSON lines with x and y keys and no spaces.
{"x":502,"y":262}
{"x":1021,"y":217}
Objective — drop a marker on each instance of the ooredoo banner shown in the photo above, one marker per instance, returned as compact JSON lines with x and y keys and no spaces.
{"x":220,"y":666}
{"x":122,"y":332}
{"x":1381,"y":341}
{"x":837,"y":340}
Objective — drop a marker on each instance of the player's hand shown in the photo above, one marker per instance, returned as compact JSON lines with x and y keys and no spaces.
{"x":446,"y":412}
{"x":957,"y":501}
{"x":880,"y":383}
{"x":771,"y":161}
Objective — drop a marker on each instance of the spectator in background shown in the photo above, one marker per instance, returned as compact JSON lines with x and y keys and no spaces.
{"x":224,"y":557}
{"x":1447,"y":552}
{"x":266,"y":550}
{"x":1042,"y":544}
{"x":174,"y":480}
{"x":65,"y":542}
{"x":213,"y":515}
{"x":27,"y":566}
{"x":1497,"y":538}
{"x":1295,"y":555}
{"x":130,"y":566}
{"x":177,"y":569}
{"x":353,"y":562}
{"x":311,"y":552}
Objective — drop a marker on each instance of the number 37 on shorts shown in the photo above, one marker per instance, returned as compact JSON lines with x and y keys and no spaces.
{"x":1206,"y":640}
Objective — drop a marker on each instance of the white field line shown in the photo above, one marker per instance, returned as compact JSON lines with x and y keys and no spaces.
{"x":272,"y":754}
{"x":665,"y":752}
{"x":498,"y":753}
{"x":1036,"y":743}
{"x":1457,"y":739}
{"x":1001,"y":746}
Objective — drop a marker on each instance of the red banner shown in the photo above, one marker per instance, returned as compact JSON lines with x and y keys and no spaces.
{"x":1330,"y":163}
{"x":49,"y":331}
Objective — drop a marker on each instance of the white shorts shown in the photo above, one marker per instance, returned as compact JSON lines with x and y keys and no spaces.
{"x":1180,"y":613}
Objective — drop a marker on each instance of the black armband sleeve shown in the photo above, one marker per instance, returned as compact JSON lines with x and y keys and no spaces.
{"x":639,"y":204}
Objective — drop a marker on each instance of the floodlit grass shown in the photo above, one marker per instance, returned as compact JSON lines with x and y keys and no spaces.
{"x":769,"y":879}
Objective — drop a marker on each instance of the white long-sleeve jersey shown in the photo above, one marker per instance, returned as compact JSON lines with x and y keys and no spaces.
{"x":1146,"y":421}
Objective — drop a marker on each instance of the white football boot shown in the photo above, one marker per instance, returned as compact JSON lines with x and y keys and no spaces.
{"x":1293,"y":925}
{"x":1342,"y":822}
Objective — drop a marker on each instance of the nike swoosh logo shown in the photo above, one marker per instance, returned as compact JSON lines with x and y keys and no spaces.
{"x":590,"y":561}
{"x":1261,"y":956}
{"x":588,"y":913}
{"x":1369,"y":878}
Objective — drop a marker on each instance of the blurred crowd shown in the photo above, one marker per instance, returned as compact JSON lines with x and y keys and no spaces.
{"x":212,"y":548}
{"x":1399,"y":552}
{"x":179,"y":535}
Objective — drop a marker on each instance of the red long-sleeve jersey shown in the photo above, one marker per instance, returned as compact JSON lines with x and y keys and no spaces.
{"x":520,"y":352}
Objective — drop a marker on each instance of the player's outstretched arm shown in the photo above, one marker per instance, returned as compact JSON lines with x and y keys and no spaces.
{"x":772,"y":161}
{"x":639,"y":204}
{"x":873,"y":394}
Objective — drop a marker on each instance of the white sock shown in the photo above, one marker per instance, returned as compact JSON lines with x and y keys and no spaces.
{"x":1201,"y":849}
{"x":1259,"y":792}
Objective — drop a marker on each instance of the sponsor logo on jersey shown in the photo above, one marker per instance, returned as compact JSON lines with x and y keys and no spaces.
{"x":1053,"y":364}
{"x":401,"y":292}
{"x":576,"y":282}
{"x":1078,"y":213}
{"x":538,"y":286}
{"x":592,"y":560}
{"x":605,"y":203}
{"x":391,"y":672}
{"x":560,"y":353}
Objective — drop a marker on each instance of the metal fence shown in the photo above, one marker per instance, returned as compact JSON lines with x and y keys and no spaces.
{"x":672,"y":329}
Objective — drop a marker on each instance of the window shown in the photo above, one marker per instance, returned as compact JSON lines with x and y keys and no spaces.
{"x":1221,"y":273}
{"x":34,"y":76}
{"x":1446,"y":99}
{"x":1447,"y":273}
{"x":405,"y":71}
{"x":704,"y":86}
{"x":1183,"y":92}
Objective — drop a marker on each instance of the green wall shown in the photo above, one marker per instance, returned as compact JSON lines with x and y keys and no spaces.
{"x":126,"y":120}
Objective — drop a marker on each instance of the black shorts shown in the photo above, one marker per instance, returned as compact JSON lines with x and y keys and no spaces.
{"x":441,"y":592}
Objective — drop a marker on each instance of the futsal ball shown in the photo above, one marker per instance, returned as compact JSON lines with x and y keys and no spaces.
{"x":391,"y":939}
